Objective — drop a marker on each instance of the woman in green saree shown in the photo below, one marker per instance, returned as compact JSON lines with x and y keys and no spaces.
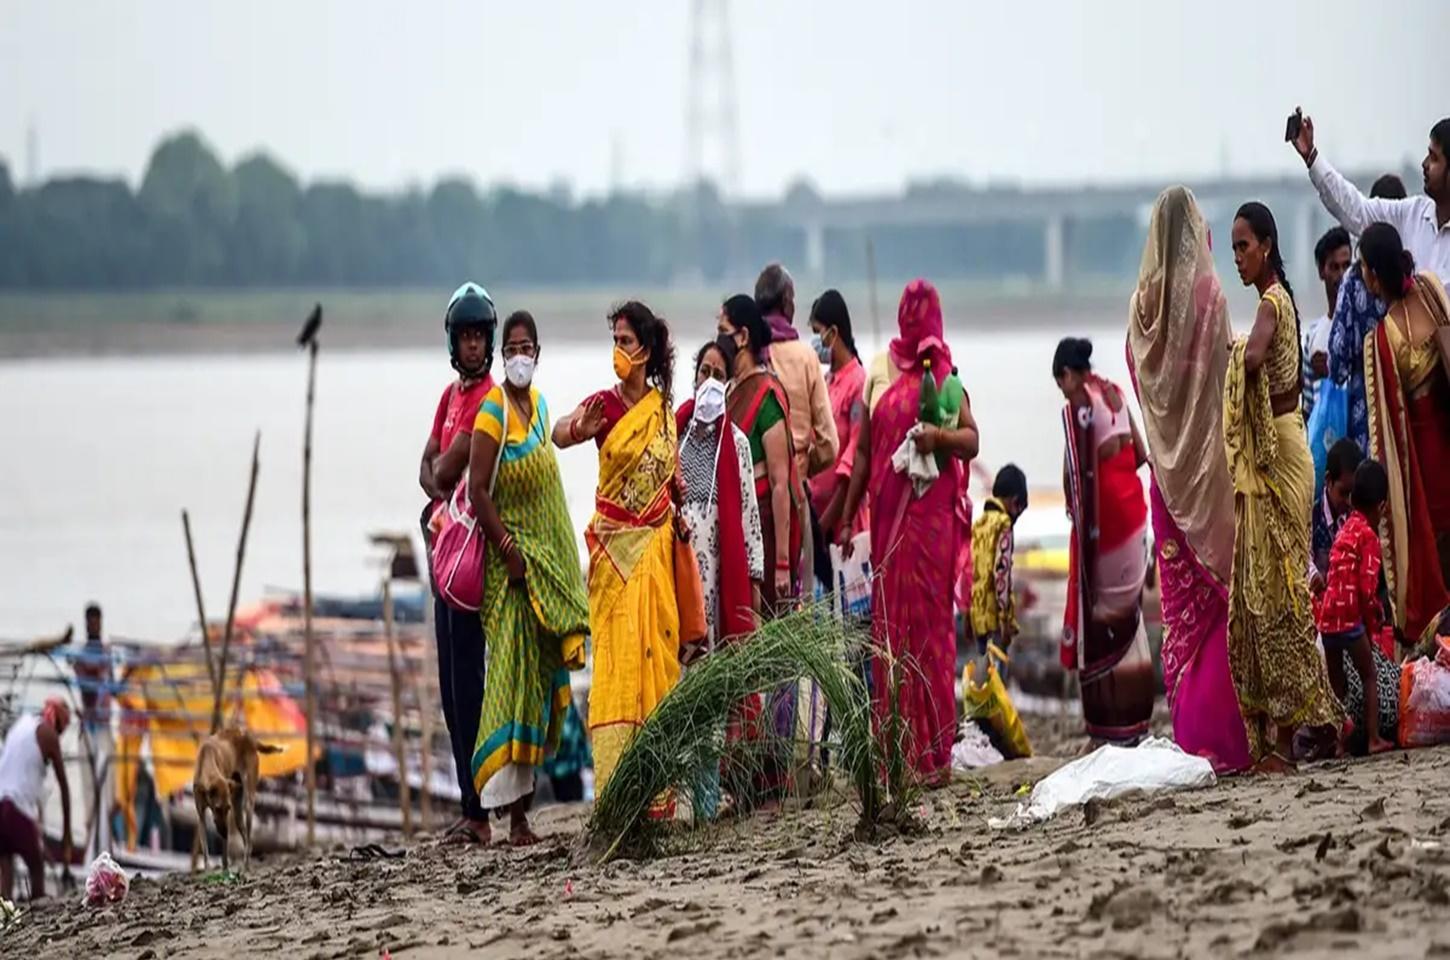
{"x":535,"y":608}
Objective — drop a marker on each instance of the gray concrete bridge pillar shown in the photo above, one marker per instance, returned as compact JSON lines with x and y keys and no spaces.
{"x":1054,"y":251}
{"x":1307,"y":273}
{"x":816,"y":250}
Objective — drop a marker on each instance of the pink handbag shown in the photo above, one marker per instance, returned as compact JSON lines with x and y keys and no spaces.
{"x":458,"y":548}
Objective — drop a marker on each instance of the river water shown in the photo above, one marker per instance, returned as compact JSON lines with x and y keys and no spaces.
{"x":101,"y":455}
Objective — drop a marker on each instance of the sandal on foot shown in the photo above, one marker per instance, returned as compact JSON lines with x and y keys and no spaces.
{"x":462,"y":834}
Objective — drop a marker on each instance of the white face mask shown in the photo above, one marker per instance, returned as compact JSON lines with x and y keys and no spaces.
{"x":519,"y":370}
{"x":710,"y":401}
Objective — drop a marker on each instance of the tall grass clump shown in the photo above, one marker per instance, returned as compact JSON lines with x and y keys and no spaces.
{"x":684,"y":735}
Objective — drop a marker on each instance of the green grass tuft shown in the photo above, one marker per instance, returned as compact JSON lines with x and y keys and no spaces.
{"x":684,"y":735}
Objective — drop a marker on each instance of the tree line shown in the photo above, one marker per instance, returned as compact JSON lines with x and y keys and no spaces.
{"x":193,"y":221}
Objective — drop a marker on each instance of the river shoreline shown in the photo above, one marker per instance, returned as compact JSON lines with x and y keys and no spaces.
{"x":229,"y":322}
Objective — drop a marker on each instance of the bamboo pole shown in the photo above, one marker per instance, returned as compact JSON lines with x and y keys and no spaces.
{"x":200,"y":610}
{"x":405,"y":800}
{"x":308,"y":338}
{"x":423,"y":690}
{"x":221,"y":674}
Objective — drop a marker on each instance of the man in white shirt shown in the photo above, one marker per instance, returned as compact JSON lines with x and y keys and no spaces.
{"x":1331,"y":255}
{"x":1423,"y":222}
{"x":32,"y":743}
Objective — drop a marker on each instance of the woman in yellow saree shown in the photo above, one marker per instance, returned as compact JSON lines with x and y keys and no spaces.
{"x":1281,"y":680}
{"x":633,"y":615}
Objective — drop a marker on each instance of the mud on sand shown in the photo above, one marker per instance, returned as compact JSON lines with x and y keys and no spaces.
{"x":1348,"y":857}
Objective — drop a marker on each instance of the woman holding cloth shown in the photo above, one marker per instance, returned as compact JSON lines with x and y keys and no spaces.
{"x":1178,"y":336}
{"x":535,"y":611}
{"x":1103,"y":637}
{"x":1280,"y":678}
{"x":915,"y":540}
{"x":633,"y":615}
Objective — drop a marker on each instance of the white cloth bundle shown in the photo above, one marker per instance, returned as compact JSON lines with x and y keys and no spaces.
{"x":921,"y":467}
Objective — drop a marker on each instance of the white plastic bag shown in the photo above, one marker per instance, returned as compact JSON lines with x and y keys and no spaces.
{"x":1155,"y":764}
{"x":852,"y":596}
{"x":9,"y":914}
{"x":106,"y":882}
{"x":1425,"y":701}
{"x":974,"y":750}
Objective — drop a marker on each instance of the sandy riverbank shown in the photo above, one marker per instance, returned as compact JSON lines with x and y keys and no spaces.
{"x":1344,"y":858}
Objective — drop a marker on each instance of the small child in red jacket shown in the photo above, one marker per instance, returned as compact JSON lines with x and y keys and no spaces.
{"x":1350,"y":612}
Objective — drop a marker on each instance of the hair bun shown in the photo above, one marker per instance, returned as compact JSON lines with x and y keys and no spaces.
{"x":1409,"y":261}
{"x":1073,"y":353}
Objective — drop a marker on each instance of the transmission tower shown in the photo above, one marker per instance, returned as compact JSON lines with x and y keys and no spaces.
{"x":712,"y":130}
{"x":712,"y":138}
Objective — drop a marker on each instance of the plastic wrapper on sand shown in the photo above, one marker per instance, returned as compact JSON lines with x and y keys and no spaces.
{"x":989,"y":703}
{"x":105,"y":882}
{"x":974,"y":750}
{"x":1425,"y":699}
{"x":1154,"y":765}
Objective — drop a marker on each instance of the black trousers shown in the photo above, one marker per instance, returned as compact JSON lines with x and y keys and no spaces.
{"x":460,"y":682}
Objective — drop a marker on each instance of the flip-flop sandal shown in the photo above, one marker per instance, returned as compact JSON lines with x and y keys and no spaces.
{"x":461,"y":835}
{"x":372,"y":851}
{"x":1288,"y":768}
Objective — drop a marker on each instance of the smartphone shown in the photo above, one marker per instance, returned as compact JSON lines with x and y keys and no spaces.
{"x":1293,"y":126}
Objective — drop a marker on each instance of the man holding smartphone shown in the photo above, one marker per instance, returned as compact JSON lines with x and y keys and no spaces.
{"x":1422,"y":222}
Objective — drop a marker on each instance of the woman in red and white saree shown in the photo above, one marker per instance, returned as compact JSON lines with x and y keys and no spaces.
{"x":1103,"y":637}
{"x":1408,"y":392}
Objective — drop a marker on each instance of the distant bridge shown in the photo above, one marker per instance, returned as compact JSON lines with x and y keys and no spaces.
{"x":1055,"y":213}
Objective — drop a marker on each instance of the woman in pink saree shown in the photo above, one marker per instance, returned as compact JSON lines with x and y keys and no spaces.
{"x":1178,"y":335}
{"x":916,"y":537}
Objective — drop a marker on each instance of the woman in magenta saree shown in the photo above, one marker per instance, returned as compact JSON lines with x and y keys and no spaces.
{"x":1178,"y":335}
{"x":916,"y":537}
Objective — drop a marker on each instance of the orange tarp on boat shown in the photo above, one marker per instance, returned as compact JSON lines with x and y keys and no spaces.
{"x":168,"y":706}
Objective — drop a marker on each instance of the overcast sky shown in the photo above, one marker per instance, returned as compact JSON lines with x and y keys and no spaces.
{"x":856,"y":95}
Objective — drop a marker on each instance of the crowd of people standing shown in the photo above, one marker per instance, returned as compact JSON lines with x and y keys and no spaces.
{"x":1249,"y":603}
{"x":1297,"y":567}
{"x":789,"y":454}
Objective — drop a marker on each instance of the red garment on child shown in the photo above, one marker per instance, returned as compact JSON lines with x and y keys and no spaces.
{"x":1351,"y":597}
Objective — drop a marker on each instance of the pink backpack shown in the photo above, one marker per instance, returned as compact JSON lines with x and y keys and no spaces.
{"x":458,"y":548}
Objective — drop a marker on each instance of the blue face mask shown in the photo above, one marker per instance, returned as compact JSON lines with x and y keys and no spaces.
{"x":823,"y":352}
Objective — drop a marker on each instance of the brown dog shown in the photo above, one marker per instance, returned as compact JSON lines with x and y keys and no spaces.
{"x":226,"y":783}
